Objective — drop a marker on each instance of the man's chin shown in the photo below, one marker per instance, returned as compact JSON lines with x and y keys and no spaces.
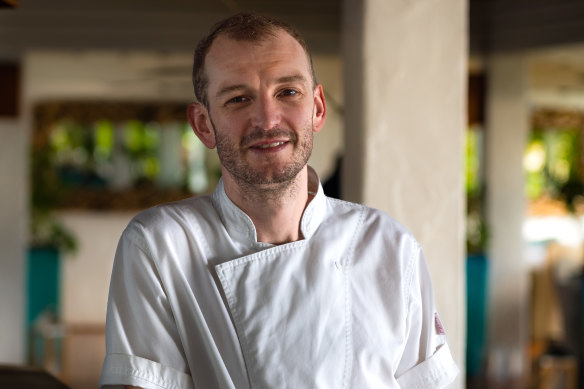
{"x":273,"y":176}
{"x":272,"y":179}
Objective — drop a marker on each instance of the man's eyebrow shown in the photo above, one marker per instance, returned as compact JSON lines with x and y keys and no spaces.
{"x":239,"y":87}
{"x":296,"y":77}
{"x":229,"y":89}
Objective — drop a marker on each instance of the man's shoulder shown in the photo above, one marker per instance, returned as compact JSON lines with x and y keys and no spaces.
{"x":371,"y":220}
{"x":177,"y":214}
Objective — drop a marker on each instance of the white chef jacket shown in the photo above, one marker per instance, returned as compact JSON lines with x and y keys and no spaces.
{"x":197,"y":302}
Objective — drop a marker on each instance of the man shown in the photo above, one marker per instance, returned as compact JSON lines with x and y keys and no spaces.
{"x":267,"y":283}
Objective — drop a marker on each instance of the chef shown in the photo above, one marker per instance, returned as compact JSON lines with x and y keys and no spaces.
{"x":267,"y":282}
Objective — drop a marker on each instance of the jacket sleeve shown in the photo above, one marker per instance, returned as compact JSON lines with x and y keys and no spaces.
{"x":143,"y":347}
{"x":426,"y":362}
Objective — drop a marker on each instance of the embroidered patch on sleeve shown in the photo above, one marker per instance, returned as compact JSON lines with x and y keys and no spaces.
{"x":438,"y":325}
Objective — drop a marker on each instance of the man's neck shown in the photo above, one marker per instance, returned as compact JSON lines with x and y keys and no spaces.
{"x":275,"y":210}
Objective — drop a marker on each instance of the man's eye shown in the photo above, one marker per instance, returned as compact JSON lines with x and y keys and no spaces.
{"x":237,"y":100}
{"x":289,"y":92}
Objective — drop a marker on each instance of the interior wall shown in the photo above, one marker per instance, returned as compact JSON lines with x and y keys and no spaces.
{"x":86,"y":274}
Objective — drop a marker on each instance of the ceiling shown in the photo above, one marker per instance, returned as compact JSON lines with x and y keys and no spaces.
{"x":494,"y":25}
{"x":132,"y":46}
{"x":556,"y":77}
{"x":170,"y":25}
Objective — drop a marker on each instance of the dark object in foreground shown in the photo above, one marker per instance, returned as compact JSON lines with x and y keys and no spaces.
{"x":17,"y":377}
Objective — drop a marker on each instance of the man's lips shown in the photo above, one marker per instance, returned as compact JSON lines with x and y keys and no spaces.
{"x":268,"y":144}
{"x":268,"y":141}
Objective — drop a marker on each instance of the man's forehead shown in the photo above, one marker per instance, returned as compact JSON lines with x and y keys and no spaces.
{"x":275,"y":37}
{"x":225,"y":49}
{"x":234,"y":57}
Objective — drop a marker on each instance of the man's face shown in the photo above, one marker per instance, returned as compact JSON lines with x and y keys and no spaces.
{"x":262,"y":106}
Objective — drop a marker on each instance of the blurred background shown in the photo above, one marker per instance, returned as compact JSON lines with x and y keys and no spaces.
{"x":487,"y":97}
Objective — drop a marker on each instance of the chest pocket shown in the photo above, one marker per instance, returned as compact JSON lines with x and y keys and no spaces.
{"x":290,"y":307}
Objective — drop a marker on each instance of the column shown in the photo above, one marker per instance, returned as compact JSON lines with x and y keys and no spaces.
{"x":506,"y":135}
{"x":405,"y":98}
{"x":14,"y":198}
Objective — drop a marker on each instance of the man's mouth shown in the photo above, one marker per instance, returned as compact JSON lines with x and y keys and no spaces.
{"x":269,"y":145}
{"x":275,"y":140}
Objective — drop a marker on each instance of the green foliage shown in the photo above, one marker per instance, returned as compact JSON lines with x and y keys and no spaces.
{"x":477,"y":232}
{"x":476,"y":227}
{"x":552,"y":165}
{"x":48,"y":232}
{"x":104,"y":140}
{"x":141,"y":144}
{"x":472,"y":162}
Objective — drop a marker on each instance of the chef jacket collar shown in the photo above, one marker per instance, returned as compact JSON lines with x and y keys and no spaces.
{"x":240,"y":226}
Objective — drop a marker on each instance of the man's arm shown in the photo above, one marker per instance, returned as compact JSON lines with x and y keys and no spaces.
{"x":426,"y":361}
{"x":139,"y":309}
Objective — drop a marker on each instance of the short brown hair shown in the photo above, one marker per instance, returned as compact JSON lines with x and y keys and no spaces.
{"x":241,"y":27}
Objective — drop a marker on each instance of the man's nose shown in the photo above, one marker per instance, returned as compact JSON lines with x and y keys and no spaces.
{"x":267,"y":114}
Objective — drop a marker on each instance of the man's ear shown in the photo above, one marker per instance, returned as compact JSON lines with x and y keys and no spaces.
{"x":201,"y":123}
{"x":319,"y":113}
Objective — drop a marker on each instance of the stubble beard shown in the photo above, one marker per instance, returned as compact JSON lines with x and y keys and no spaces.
{"x":265,"y":179}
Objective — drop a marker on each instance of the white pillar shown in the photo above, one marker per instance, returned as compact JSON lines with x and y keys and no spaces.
{"x":506,"y":135}
{"x":13,"y":227}
{"x":405,"y":98}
